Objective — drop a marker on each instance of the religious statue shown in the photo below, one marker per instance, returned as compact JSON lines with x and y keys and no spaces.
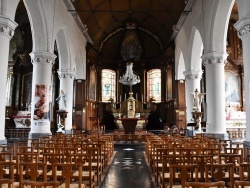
{"x":197,"y":100}
{"x":62,"y":101}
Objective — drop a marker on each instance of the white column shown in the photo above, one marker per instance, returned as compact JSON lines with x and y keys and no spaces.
{"x":215,"y":93}
{"x":41,"y":87}
{"x":193,"y":79}
{"x":66,"y":84}
{"x":7,"y":27}
{"x":243,"y":28}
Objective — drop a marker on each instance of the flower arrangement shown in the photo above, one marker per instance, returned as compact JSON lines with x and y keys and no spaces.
{"x":237,"y":124}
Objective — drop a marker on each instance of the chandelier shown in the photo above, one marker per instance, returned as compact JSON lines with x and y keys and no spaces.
{"x":129,"y":78}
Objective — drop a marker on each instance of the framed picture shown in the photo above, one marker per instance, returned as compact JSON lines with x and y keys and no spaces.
{"x":232,"y":88}
{"x":92,"y":84}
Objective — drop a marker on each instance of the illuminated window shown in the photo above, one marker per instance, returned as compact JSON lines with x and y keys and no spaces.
{"x":108,"y":85}
{"x":154,"y":84}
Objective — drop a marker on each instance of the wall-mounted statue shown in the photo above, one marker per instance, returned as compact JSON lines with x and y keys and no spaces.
{"x":197,"y":100}
{"x":62,"y":101}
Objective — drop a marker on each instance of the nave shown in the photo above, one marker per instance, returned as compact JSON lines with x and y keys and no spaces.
{"x":128,"y":168}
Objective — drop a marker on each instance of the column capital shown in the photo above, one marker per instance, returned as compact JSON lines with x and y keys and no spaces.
{"x":7,"y":26}
{"x":66,"y":74}
{"x":42,"y":57}
{"x":193,"y":74}
{"x":243,"y":26}
{"x":214,"y":58}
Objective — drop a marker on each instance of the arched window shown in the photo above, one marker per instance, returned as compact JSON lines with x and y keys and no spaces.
{"x":108,"y":85}
{"x":154,"y":84}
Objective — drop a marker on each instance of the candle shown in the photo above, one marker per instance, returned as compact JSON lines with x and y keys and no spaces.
{"x":136,"y":96}
{"x":141,"y":97}
{"x":125,"y":97}
{"x":120,"y":98}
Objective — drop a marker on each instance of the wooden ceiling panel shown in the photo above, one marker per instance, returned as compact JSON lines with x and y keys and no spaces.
{"x":152,"y":49}
{"x":118,"y":5}
{"x":140,"y":5}
{"x":103,"y":17}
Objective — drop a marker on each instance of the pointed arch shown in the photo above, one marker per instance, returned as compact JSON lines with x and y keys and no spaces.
{"x":80,"y":65}
{"x":63,"y":49}
{"x":8,"y":8}
{"x":242,"y":10}
{"x":179,"y":66}
{"x":38,"y":25}
{"x":216,"y":25}
{"x":195,"y":50}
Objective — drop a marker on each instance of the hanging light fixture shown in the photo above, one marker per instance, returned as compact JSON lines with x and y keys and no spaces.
{"x":129,"y":78}
{"x":130,"y":51}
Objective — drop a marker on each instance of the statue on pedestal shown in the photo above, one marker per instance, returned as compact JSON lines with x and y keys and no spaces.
{"x":62,"y":101}
{"x":197,"y":100}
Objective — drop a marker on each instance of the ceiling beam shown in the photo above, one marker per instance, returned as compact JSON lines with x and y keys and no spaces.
{"x":182,"y":19}
{"x":130,"y":11}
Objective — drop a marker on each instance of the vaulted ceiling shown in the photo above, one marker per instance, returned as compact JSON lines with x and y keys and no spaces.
{"x":157,"y":23}
{"x":106,"y":19}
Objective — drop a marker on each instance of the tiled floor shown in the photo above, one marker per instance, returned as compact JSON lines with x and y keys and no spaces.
{"x":128,"y":169}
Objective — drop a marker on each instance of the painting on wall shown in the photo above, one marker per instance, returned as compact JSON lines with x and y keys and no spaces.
{"x":232,"y":91}
{"x":92,"y":84}
{"x":26,"y":89}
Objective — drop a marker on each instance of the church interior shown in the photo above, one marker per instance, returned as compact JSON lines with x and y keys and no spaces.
{"x":131,"y":38}
{"x":150,"y":87}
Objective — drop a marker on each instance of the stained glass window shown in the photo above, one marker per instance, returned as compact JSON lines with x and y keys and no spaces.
{"x":108,"y":85}
{"x":154,"y":84}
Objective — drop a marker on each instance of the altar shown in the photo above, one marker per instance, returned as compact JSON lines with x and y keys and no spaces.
{"x":131,"y":110}
{"x":131,"y":124}
{"x":22,"y":119}
{"x":131,"y":120}
{"x":235,"y":123}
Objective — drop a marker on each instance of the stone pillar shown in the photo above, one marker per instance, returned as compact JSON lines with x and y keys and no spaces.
{"x":243,"y":28}
{"x":41,"y":92}
{"x":7,"y":27}
{"x":66,"y":84}
{"x":193,"y":79}
{"x":215,"y":93}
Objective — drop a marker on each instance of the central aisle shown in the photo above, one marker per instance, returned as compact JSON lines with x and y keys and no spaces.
{"x":128,"y":169}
